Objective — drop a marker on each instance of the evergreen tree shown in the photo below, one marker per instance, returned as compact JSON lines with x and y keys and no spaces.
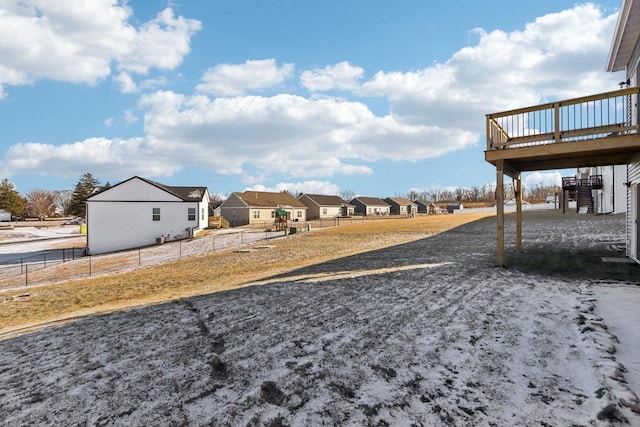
{"x":85,"y":186}
{"x":11,"y":200}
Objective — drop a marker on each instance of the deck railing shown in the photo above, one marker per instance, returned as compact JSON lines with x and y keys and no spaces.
{"x":571,"y":182}
{"x":578,"y":119}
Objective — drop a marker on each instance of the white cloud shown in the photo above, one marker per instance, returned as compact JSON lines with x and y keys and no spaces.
{"x":545,"y":179}
{"x":290,"y":134}
{"x":160,"y":43}
{"x":309,"y":187}
{"x":129,"y":117}
{"x":238,"y":79}
{"x":343,"y":76}
{"x":114,"y":158}
{"x":558,"y":56}
{"x":126,"y":83}
{"x":108,"y":122}
{"x":434,"y":110}
{"x":77,"y":42}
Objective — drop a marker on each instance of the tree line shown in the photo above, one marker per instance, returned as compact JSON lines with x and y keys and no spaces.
{"x":483,"y":194}
{"x":43,"y":203}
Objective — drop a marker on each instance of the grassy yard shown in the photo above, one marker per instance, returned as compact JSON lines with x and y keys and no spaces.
{"x":30,"y":308}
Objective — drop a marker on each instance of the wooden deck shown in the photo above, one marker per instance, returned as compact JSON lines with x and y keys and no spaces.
{"x":596,"y":130}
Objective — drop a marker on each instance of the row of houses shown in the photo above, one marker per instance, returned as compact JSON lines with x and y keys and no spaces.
{"x":139,"y":212}
{"x":255,"y":207}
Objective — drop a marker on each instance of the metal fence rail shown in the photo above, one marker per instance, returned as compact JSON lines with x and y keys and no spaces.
{"x":60,"y":265}
{"x":66,"y":264}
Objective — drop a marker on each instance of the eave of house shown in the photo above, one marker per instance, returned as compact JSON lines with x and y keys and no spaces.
{"x":625,"y":36}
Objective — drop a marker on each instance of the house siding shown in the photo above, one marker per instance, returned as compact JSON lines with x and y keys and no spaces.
{"x":633,"y":179}
{"x":238,"y":211}
{"x":121,"y":217}
{"x":112,"y":228}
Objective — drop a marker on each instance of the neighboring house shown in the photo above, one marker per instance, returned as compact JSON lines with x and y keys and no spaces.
{"x":139,"y":212}
{"x":370,"y":206}
{"x":422,"y":206}
{"x":624,"y":55}
{"x":321,"y":207}
{"x":610,"y":195}
{"x":259,"y":207}
{"x":4,"y":215}
{"x":400,"y":206}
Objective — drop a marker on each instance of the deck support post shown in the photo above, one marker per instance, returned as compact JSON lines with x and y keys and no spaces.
{"x":500,"y":212}
{"x":517,"y":187}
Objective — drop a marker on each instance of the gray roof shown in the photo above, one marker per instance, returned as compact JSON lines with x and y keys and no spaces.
{"x":323,"y":200}
{"x":371,"y":201}
{"x":187,"y":194}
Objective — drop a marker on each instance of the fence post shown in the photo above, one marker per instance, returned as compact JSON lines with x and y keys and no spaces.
{"x":26,"y":275}
{"x":139,"y":257}
{"x":90,"y":266}
{"x":44,"y":256}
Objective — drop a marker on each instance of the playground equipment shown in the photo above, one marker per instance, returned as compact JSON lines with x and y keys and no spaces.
{"x":280,"y":222}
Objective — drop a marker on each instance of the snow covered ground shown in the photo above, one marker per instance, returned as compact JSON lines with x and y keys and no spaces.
{"x":426,"y":333}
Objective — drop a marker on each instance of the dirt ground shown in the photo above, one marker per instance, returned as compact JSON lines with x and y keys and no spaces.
{"x":427,"y":333}
{"x":117,"y":281}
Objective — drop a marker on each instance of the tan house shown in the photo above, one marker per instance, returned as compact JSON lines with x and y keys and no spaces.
{"x":259,"y":207}
{"x":325,"y":207}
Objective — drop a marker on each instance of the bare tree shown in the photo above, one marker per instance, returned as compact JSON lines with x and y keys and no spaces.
{"x":62,"y":199}
{"x":40,"y":203}
{"x":347,"y":195}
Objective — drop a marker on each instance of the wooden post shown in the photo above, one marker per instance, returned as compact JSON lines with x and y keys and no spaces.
{"x":518,"y":191}
{"x":500,"y":212}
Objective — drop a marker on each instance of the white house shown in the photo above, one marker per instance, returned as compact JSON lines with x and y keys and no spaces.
{"x":139,"y":212}
{"x":624,"y":55}
{"x":611,"y":194}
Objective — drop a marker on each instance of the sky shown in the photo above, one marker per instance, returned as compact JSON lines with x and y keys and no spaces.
{"x":373,"y":98}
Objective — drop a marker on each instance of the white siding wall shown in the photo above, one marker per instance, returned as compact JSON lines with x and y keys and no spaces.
{"x":114,"y":225}
{"x":612,"y":198}
{"x":332,"y":211}
{"x":633,"y":177}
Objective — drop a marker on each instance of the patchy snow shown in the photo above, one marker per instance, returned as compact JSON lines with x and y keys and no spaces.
{"x":619,"y":306}
{"x":425,"y":333}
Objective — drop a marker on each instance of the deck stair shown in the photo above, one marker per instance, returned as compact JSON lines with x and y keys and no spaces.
{"x":584,"y":199}
{"x":580,"y":190}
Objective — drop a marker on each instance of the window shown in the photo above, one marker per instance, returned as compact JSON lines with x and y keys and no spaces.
{"x":202,"y":214}
{"x":233,"y":213}
{"x":191,"y":215}
{"x":156,"y":214}
{"x":324,"y":211}
{"x":299,"y":214}
{"x":273,"y":214}
{"x":256,"y":214}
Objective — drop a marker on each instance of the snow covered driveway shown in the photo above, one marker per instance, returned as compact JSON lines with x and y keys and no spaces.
{"x":425,"y":333}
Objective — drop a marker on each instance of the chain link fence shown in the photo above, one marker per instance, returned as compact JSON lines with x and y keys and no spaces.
{"x":65,"y":264}
{"x":57,"y":265}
